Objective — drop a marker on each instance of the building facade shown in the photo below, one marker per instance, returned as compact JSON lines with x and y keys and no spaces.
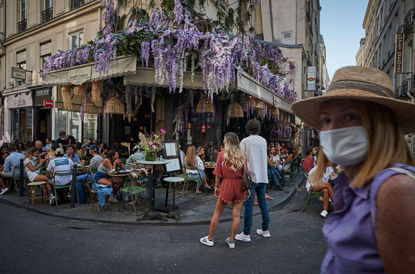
{"x":388,"y":45}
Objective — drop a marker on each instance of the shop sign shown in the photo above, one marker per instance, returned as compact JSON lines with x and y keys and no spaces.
{"x":80,"y":74}
{"x":43,"y":92}
{"x":251,"y":87}
{"x":48,"y":103}
{"x":20,"y":100}
{"x":398,"y":53}
{"x":18,"y":73}
{"x":311,"y":78}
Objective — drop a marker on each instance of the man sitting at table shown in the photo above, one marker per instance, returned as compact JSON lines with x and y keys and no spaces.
{"x":81,"y":179}
{"x":59,"y":164}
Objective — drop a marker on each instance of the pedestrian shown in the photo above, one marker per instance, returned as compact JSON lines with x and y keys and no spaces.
{"x":230,"y":168}
{"x":362,"y":128}
{"x":255,"y":149}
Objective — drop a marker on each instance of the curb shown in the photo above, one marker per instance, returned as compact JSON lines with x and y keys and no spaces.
{"x":276,"y":207}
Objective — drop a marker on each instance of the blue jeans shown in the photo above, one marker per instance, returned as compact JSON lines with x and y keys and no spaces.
{"x":275,"y":175}
{"x":81,"y":192}
{"x":259,"y":189}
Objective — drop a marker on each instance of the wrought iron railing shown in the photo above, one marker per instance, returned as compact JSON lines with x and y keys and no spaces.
{"x":408,"y":21}
{"x":47,"y":14}
{"x":21,"y":26}
{"x":407,"y":85}
{"x":77,"y":3}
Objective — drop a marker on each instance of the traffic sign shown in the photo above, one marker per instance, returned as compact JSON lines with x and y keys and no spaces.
{"x":48,"y":103}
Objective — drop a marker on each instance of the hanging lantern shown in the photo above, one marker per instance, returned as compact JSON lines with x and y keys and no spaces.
{"x":205,"y":105}
{"x":114,"y":106}
{"x":66,"y":97}
{"x":275,"y":112}
{"x":96,"y":93}
{"x":235,"y":110}
{"x":79,"y":90}
{"x":92,"y":108}
{"x":258,"y":105}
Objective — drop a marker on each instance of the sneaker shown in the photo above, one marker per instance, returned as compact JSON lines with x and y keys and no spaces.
{"x":263,"y":233}
{"x":324,"y":213}
{"x":4,"y":190}
{"x":231,"y":244}
{"x":51,"y":199}
{"x":205,"y":241}
{"x":243,"y":238}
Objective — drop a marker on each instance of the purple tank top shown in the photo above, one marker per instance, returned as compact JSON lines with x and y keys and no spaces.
{"x":350,"y":229}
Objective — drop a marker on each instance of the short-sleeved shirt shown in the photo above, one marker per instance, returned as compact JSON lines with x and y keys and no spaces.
{"x":255,"y":149}
{"x":96,"y":160}
{"x":61,"y":164}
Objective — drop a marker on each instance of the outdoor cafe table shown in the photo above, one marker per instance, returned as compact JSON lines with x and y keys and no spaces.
{"x":151,"y":214}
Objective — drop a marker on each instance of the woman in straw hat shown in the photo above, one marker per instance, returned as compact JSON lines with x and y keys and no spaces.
{"x":362,"y":129}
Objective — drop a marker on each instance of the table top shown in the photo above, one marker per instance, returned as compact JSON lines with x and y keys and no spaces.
{"x":152,"y":163}
{"x":173,"y":179}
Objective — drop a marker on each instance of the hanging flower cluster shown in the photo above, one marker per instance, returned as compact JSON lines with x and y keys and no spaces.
{"x":172,"y":43}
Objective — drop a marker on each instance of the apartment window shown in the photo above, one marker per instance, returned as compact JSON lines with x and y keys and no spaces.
{"x":47,"y":12}
{"x":77,"y":3}
{"x":45,"y":52}
{"x":76,"y":39}
{"x":22,"y":24}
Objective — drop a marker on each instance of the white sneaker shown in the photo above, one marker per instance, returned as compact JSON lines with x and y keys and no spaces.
{"x":4,"y":190}
{"x":51,"y":199}
{"x":324,"y":213}
{"x":243,"y":238}
{"x":264,"y":234}
{"x":205,"y":241}
{"x":231,"y":244}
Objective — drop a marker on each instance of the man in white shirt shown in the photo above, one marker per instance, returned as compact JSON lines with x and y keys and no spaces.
{"x":255,"y":149}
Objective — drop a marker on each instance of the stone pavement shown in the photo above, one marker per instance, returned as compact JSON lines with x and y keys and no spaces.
{"x":192,"y":209}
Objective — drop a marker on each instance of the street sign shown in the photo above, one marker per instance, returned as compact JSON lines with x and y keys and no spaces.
{"x":398,"y":53}
{"x":48,"y":103}
{"x":18,"y":73}
{"x":311,"y":78}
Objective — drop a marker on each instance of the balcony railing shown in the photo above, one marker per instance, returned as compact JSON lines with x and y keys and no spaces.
{"x":47,"y":14}
{"x":77,"y":3}
{"x":407,"y":85}
{"x":408,"y":21}
{"x":21,"y":26}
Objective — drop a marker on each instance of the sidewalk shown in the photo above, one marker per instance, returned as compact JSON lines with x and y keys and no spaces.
{"x":192,"y":209}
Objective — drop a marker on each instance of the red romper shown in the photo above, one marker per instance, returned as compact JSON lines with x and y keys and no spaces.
{"x":230,"y":189}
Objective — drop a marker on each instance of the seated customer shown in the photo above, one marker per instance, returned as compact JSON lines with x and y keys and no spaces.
{"x":32,"y":165}
{"x":102,"y":177}
{"x":12,"y":163}
{"x":273,"y":172}
{"x":59,"y":164}
{"x":308,"y":162}
{"x":193,"y":161}
{"x":319,"y":181}
{"x":81,"y":179}
{"x":71,"y":154}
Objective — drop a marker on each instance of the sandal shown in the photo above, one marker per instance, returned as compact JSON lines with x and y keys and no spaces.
{"x":269,"y":198}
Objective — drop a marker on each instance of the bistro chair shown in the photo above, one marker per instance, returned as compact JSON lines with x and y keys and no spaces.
{"x":310,"y":194}
{"x":94,"y":192}
{"x":187,"y":179}
{"x":58,"y":187}
{"x":15,"y":179}
{"x":32,"y":191}
{"x":133,"y":191}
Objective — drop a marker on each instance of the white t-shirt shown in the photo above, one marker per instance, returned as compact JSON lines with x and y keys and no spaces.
{"x":326,"y":176}
{"x":255,"y":149}
{"x":199,"y":164}
{"x":61,"y":164}
{"x":30,"y":174}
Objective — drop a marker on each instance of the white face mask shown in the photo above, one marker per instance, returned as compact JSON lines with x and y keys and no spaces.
{"x":345,"y":146}
{"x":34,"y":157}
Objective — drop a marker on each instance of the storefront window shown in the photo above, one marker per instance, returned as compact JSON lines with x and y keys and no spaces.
{"x":22,"y":124}
{"x":75,"y":125}
{"x":90,"y":130}
{"x":61,"y":118}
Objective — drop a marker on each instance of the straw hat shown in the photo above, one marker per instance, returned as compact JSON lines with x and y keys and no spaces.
{"x":363,"y":84}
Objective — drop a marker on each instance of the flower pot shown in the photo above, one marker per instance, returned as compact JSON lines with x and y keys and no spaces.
{"x":151,"y":156}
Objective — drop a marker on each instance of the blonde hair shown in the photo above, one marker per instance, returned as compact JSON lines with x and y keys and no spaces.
{"x":387,"y":144}
{"x":190,"y":158}
{"x":233,"y":153}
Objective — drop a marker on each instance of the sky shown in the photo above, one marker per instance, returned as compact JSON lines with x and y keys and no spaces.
{"x":341,"y":24}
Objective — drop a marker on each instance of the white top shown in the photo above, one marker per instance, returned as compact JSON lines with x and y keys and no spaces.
{"x":326,"y":176}
{"x":199,"y":164}
{"x":255,"y":149}
{"x":30,"y":174}
{"x":61,"y":164}
{"x":275,"y":159}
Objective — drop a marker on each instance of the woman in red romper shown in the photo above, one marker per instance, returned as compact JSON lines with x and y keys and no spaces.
{"x":230,"y":168}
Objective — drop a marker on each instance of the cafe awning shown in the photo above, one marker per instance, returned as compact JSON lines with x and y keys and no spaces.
{"x":252,"y":87}
{"x":84,"y":73}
